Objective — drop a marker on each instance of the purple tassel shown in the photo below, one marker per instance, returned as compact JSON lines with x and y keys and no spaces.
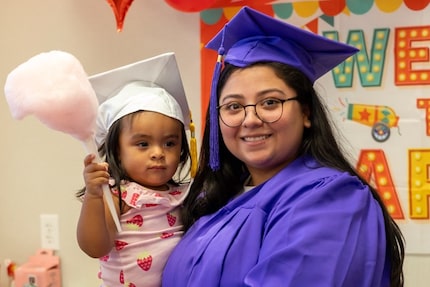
{"x":214,"y":160}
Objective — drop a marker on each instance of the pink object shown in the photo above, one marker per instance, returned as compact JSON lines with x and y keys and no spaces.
{"x":54,"y":87}
{"x":41,"y":270}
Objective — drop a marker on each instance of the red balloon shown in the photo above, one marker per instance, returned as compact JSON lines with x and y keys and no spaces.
{"x":416,"y":5}
{"x":120,"y":8}
{"x":191,"y":5}
{"x":332,"y":8}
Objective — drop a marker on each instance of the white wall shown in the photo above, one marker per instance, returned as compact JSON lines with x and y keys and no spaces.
{"x":42,"y":168}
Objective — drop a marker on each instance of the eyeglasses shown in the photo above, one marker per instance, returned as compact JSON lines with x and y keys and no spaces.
{"x":267,"y":110}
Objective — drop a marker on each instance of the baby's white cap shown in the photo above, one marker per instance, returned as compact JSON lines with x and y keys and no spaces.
{"x":152,"y":85}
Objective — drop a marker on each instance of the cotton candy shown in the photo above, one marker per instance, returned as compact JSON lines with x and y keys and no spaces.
{"x":54,"y":87}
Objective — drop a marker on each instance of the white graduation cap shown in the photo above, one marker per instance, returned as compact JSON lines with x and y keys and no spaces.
{"x":152,"y":84}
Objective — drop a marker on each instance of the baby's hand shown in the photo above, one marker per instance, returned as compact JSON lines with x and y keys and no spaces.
{"x":95,"y":175}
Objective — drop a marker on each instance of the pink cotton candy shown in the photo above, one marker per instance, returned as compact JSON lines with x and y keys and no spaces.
{"x":54,"y":87}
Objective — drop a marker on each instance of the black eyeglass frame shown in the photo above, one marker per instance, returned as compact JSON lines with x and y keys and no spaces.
{"x":255,"y":110}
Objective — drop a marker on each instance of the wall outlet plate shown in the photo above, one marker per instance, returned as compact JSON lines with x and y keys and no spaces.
{"x":49,"y":231}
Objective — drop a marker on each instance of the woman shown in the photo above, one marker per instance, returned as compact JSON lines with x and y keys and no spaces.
{"x":280,"y":204}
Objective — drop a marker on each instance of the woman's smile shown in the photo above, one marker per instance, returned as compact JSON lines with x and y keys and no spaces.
{"x":255,"y":138}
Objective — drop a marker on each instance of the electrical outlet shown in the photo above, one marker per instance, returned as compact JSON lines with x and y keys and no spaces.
{"x":49,"y":231}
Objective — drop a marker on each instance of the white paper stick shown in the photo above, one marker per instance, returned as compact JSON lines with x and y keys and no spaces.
{"x":91,"y":147}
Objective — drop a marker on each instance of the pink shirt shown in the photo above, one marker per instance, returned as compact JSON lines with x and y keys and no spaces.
{"x":150,"y":230}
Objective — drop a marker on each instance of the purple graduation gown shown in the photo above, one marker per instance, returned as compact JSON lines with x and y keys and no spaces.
{"x":307,"y":226}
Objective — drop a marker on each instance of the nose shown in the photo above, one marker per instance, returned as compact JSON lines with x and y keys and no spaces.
{"x":157,"y":153}
{"x":251,"y":116}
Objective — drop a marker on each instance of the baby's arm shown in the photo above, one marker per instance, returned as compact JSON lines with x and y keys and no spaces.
{"x":96,"y":229}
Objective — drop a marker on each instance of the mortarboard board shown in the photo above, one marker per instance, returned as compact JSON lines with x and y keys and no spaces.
{"x":251,"y":37}
{"x":152,"y":84}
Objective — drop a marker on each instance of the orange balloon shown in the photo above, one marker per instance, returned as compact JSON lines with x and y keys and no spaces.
{"x":191,"y":5}
{"x":120,"y":8}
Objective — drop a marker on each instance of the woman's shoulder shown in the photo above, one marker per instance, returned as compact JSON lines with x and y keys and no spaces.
{"x":331,"y":180}
{"x":308,"y":180}
{"x":307,"y":169}
{"x":336,"y":189}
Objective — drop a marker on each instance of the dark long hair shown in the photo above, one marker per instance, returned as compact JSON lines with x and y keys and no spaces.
{"x":213,"y":189}
{"x":109,"y":150}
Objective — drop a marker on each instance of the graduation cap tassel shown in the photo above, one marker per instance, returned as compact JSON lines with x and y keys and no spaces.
{"x":193,"y":148}
{"x":214,"y":160}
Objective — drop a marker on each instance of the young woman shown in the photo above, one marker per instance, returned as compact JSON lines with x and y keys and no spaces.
{"x":278,"y":203}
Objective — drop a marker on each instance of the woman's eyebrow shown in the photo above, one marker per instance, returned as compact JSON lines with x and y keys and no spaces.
{"x":232,"y":97}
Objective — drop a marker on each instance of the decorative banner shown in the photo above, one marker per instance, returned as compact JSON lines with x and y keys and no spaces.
{"x":200,"y":5}
{"x":302,"y":7}
{"x":191,"y":5}
{"x":379,"y":99}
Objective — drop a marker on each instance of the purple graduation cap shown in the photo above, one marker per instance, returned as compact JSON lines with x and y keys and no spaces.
{"x":251,"y":37}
